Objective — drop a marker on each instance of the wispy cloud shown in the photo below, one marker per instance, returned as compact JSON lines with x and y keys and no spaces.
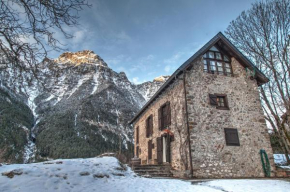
{"x":143,"y":63}
{"x":136,"y":80}
{"x":167,"y":68}
{"x":175,"y":58}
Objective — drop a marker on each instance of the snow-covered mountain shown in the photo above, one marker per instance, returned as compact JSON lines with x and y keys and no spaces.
{"x":149,"y":88}
{"x":81,"y":107}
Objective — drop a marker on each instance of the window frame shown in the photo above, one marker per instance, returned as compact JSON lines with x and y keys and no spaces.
{"x":215,"y":102}
{"x":228,"y":143}
{"x":207,"y":62}
{"x":224,"y":96}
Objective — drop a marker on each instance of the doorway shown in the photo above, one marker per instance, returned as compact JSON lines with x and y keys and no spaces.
{"x":163,"y":149}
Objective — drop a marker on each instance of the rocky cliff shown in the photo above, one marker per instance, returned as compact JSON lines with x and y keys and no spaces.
{"x":80,"y":107}
{"x":149,"y":88}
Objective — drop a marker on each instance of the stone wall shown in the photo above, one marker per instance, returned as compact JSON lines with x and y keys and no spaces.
{"x":211,"y":157}
{"x":178,"y":147}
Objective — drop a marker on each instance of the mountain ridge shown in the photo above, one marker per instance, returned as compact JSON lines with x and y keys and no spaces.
{"x":84,"y":108}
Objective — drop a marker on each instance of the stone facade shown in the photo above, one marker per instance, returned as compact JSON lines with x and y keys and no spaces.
{"x":211,"y":156}
{"x":178,"y":147}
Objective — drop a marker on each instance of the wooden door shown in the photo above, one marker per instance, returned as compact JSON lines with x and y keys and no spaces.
{"x":159,"y":150}
{"x":150,"y":149}
{"x":137,"y":151}
{"x":168,"y":149}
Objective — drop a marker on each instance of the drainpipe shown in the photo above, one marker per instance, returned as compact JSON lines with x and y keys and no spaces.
{"x":188,"y":136}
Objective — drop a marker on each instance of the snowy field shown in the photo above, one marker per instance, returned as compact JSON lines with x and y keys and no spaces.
{"x":106,"y":174}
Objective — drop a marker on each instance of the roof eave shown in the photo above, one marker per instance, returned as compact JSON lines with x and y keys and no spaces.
{"x":261,"y":78}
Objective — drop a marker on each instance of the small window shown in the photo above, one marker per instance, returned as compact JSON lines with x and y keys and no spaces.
{"x":205,"y":68}
{"x":232,"y":137}
{"x":211,"y":54}
{"x":219,"y":100}
{"x":218,"y":56}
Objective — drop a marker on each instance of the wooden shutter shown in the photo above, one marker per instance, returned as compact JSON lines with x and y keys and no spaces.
{"x":168,"y":148}
{"x":164,"y":116}
{"x":159,"y":119}
{"x":137,"y":151}
{"x":213,"y":99}
{"x":232,"y":137}
{"x":150,"y":149}
{"x":151,"y":124}
{"x":159,"y":150}
{"x":168,"y":114}
{"x":147,"y":127}
{"x":137,"y":135}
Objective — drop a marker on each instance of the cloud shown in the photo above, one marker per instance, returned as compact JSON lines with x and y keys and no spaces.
{"x":167,"y":68}
{"x":175,"y":59}
{"x":143,"y":63}
{"x":122,"y":37}
{"x":135,"y":80}
{"x":79,"y":36}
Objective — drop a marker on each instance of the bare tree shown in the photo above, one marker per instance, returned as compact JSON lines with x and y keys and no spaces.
{"x":263,"y":34}
{"x":28,"y":29}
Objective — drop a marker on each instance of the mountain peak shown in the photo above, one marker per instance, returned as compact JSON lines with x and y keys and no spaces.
{"x":80,"y":57}
{"x":161,"y":78}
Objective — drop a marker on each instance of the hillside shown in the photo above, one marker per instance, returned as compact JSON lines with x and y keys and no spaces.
{"x":82,"y":109}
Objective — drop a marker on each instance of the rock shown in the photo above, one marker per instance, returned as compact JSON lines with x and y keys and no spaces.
{"x":120,"y":168}
{"x":11,"y":174}
{"x":59,"y":162}
{"x":84,"y":173}
{"x":8,"y":174}
{"x":47,"y":163}
{"x":147,"y":176}
{"x":118,"y":174}
{"x":100,"y":175}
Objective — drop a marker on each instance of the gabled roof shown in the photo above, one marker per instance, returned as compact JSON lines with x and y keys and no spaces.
{"x":228,"y":47}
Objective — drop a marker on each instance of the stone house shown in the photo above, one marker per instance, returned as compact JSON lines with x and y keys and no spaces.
{"x":206,"y":121}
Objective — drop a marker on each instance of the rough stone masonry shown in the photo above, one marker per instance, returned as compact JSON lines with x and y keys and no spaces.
{"x":211,"y":157}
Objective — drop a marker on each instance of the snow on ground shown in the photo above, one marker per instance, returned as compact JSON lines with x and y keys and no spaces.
{"x":106,"y":174}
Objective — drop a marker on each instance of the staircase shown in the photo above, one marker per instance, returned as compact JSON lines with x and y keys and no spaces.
{"x":153,"y":170}
{"x":282,"y":172}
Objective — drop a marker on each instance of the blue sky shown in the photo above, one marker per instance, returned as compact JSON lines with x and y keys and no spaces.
{"x":149,"y":38}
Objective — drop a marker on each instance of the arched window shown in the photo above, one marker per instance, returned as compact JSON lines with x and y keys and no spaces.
{"x":216,"y":62}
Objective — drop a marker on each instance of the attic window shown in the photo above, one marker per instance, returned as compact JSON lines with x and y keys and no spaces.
{"x":216,"y":62}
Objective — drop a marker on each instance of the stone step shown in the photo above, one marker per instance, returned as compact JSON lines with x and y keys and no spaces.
{"x":158,"y":175}
{"x":282,"y":172}
{"x":151,"y":168}
{"x":151,"y":171}
{"x":152,"y":165}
